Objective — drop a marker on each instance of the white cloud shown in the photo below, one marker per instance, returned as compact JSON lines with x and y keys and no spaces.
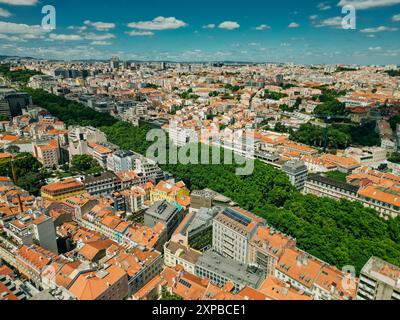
{"x":293,"y":25}
{"x":22,"y":29}
{"x":371,"y":36}
{"x":209,"y":26}
{"x":368,"y":4}
{"x":323,"y":6}
{"x":159,"y":23}
{"x":65,"y":37}
{"x":396,"y":18}
{"x":375,"y":48}
{"x":100,"y":43}
{"x":136,"y":33}
{"x":378,"y":29}
{"x":229,"y":25}
{"x":20,"y":2}
{"x":79,"y":28}
{"x":94,"y":37}
{"x":335,"y":22}
{"x":66,"y":52}
{"x":314,"y":17}
{"x":5,"y":13}
{"x":11,"y":38}
{"x":98,"y":37}
{"x":100,"y":26}
{"x":262,"y":27}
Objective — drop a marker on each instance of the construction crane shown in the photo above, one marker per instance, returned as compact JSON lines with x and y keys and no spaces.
{"x":327,"y":119}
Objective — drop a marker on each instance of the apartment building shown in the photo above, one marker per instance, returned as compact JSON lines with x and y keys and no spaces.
{"x":80,"y":137}
{"x":232,"y":231}
{"x":181,"y":136}
{"x":140,"y":266}
{"x":196,"y":228}
{"x":32,"y":260}
{"x":100,"y":152}
{"x":173,"y":193}
{"x":110,"y":283}
{"x":100,"y":184}
{"x":367,"y":156}
{"x":129,"y":179}
{"x":9,"y":290}
{"x":322,"y":186}
{"x":379,"y":280}
{"x":266,"y":247}
{"x":47,"y":152}
{"x":385,"y":200}
{"x":121,"y":161}
{"x":314,"y":277}
{"x":165,"y":213}
{"x":382,"y":198}
{"x":63,"y":189}
{"x":297,"y":172}
{"x":178,"y":254}
{"x":134,"y":199}
{"x":31,"y":228}
{"x":343,"y":164}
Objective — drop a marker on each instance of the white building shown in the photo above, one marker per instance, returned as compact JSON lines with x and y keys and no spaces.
{"x":232,"y":231}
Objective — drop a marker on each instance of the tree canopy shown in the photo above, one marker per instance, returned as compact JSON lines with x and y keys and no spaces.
{"x":85,"y":164}
{"x":340,"y":233}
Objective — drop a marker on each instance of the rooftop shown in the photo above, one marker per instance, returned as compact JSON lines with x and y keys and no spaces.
{"x":232,"y":270}
{"x":382,"y":271}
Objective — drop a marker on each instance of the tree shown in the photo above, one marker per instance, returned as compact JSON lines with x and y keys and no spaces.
{"x":3,"y":117}
{"x":273,"y":95}
{"x":338,"y":232}
{"x":393,"y":73}
{"x":85,"y":164}
{"x":279,"y":127}
{"x":394,"y":121}
{"x":28,"y":170}
{"x":151,"y":86}
{"x":337,"y":175}
{"x":332,"y":108}
{"x":165,"y":295}
{"x":32,"y":182}
{"x":394,"y":157}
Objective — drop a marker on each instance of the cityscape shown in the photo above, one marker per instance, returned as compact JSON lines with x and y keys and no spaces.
{"x":164,"y":154}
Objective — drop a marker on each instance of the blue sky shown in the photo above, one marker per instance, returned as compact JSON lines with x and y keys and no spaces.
{"x":305,"y":31}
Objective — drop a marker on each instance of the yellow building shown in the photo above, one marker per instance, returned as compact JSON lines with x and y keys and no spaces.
{"x":173,"y":193}
{"x":63,"y":189}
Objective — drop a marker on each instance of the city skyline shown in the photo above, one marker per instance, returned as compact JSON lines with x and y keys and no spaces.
{"x":255,"y":31}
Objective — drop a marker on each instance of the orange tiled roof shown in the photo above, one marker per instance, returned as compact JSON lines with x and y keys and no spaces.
{"x":88,"y":286}
{"x":299,"y":266}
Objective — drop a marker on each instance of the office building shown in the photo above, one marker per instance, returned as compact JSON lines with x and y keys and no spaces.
{"x":221,"y":270}
{"x":121,"y":161}
{"x":297,"y":173}
{"x":379,"y":280}
{"x":165,"y":213}
{"x":232,"y":231}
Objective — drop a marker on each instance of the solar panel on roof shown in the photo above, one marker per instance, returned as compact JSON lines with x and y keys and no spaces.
{"x":185,"y":283}
{"x":236,"y":217}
